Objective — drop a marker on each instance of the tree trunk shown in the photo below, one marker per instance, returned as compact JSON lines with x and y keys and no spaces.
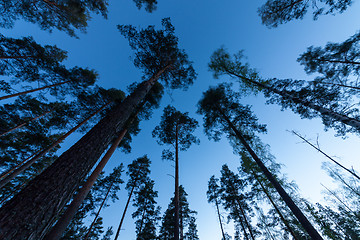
{"x":219,"y":215}
{"x":245,"y":219}
{"x":324,"y":111}
{"x":341,"y":85}
{"x":25,"y":123}
{"x":287,"y":199}
{"x":333,"y":160}
{"x":31,"y":212}
{"x":243,"y":228}
{"x":98,"y":212}
{"x":60,"y":227}
{"x":286,"y":223}
{"x":338,"y":61}
{"x":123,"y":216}
{"x":176,"y":197}
{"x":33,"y":90}
{"x":142,"y":222}
{"x":15,"y":172}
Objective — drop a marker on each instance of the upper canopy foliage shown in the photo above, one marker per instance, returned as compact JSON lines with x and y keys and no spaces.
{"x":157,"y":50}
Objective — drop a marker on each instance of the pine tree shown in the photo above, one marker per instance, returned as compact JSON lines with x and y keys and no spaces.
{"x":161,"y":59}
{"x":167,"y":229}
{"x":176,"y":129}
{"x":276,"y":12}
{"x":224,"y":114}
{"x":307,"y":99}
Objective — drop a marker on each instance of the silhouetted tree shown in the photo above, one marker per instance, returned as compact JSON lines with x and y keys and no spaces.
{"x":176,"y":129}
{"x":276,"y":12}
{"x":161,"y":59}
{"x":307,"y":99}
{"x":167,"y":229}
{"x":67,"y":16}
{"x":224,"y":114}
{"x":150,"y":5}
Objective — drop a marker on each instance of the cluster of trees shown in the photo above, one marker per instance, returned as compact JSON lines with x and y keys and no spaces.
{"x":44,"y":195}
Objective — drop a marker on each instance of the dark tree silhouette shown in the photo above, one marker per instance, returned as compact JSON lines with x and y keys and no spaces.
{"x":176,"y":129}
{"x":276,"y":12}
{"x":44,"y":197}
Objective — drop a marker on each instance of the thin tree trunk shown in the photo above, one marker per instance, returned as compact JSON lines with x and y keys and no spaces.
{"x":245,"y":219}
{"x":219,"y":215}
{"x":60,"y":227}
{"x":123,"y":215}
{"x":176,"y":199}
{"x":324,"y":111}
{"x":16,"y":172}
{"x":98,"y":212}
{"x":341,"y":201}
{"x":287,"y":199}
{"x":33,"y":90}
{"x":333,"y":160}
{"x":142,"y":222}
{"x":286,"y":223}
{"x":25,"y":123}
{"x":36,"y":207}
{"x":243,"y":228}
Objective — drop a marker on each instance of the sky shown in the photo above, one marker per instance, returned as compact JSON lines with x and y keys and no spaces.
{"x":202,"y":27}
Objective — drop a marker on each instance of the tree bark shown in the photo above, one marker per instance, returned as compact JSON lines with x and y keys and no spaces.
{"x":15,"y":172}
{"x":33,"y":90}
{"x":25,"y":123}
{"x":31,"y":213}
{"x":176,"y":197}
{"x":123,"y":216}
{"x":61,"y":225}
{"x":309,"y":228}
{"x":324,"y":111}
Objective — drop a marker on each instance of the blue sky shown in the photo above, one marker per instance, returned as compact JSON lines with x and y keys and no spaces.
{"x":202,"y":27}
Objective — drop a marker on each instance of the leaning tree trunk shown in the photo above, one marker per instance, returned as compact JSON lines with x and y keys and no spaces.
{"x":30,"y":214}
{"x":124,"y":213}
{"x":286,"y":223}
{"x":245,"y":219}
{"x":220,"y":221}
{"x":25,"y":123}
{"x":176,"y":198}
{"x":309,"y":228}
{"x":33,"y":90}
{"x":355,"y":123}
{"x":98,"y":212}
{"x":12,"y":173}
{"x":61,"y":225}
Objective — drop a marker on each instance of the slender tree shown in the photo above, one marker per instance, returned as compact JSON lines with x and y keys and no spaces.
{"x":276,"y":12}
{"x":307,"y":99}
{"x":213,"y":195}
{"x":147,"y":213}
{"x":138,"y":172}
{"x":176,"y":129}
{"x":223,"y":113}
{"x":43,"y":198}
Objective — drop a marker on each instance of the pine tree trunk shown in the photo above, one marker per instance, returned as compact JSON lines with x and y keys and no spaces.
{"x":323,"y":111}
{"x":33,"y":90}
{"x":31,"y":212}
{"x":219,"y":215}
{"x":98,"y":212}
{"x":15,"y":172}
{"x":287,"y":199}
{"x":123,"y":215}
{"x":286,"y":223}
{"x":61,"y":225}
{"x":333,"y":160}
{"x":243,"y":228}
{"x":245,"y":219}
{"x":176,"y":199}
{"x":142,"y":222}
{"x":25,"y":123}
